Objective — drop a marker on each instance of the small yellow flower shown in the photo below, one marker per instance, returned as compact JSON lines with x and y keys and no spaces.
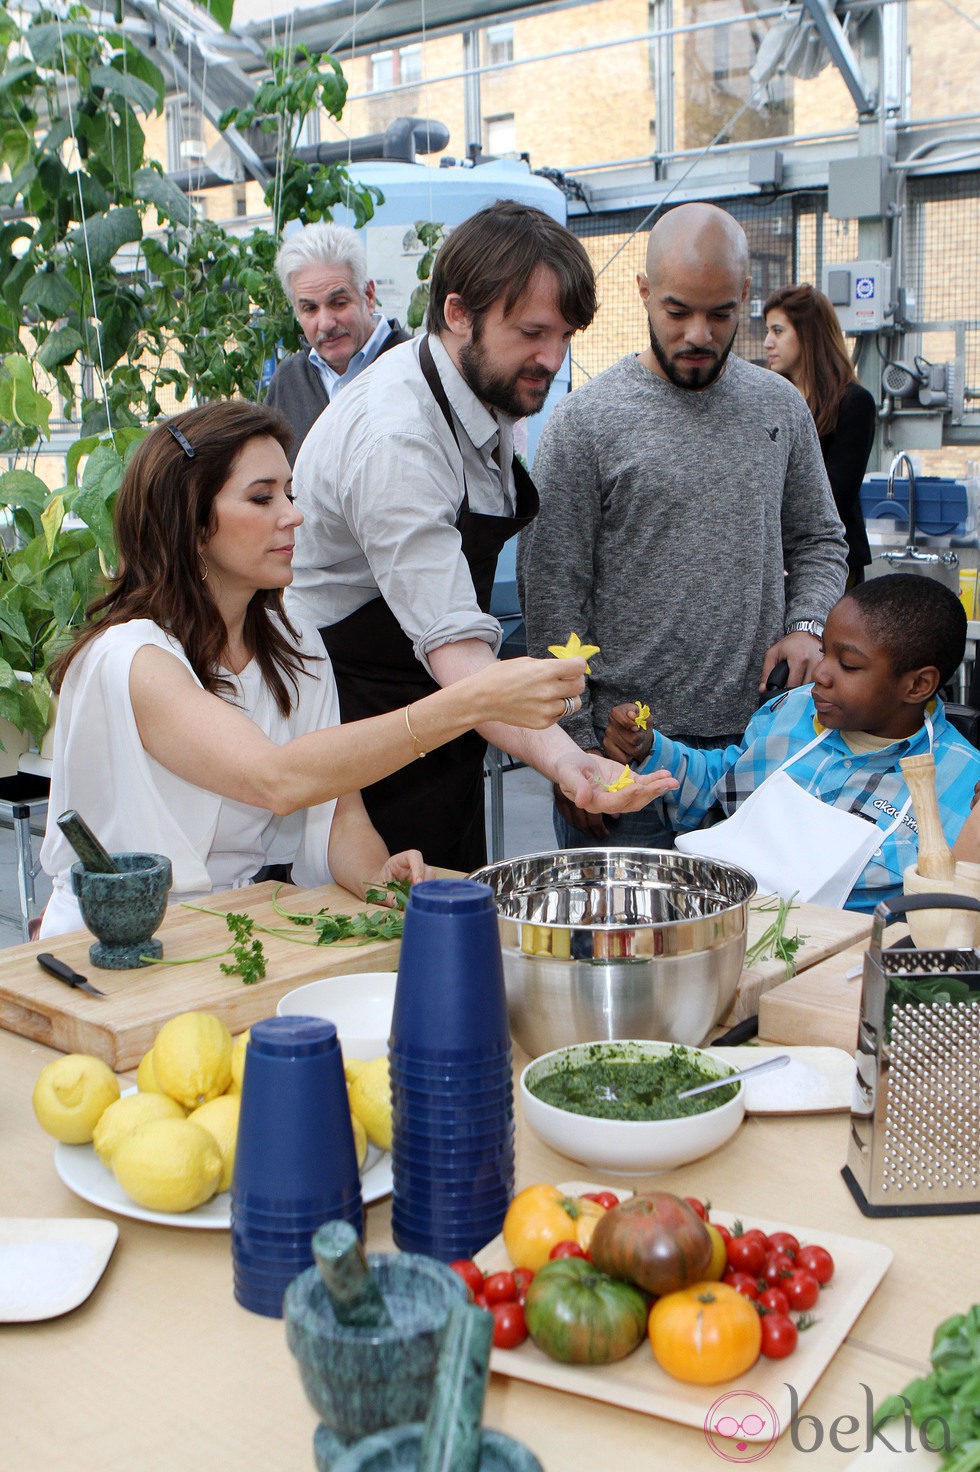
{"x":574,"y":649}
{"x":625,"y":779}
{"x":642,"y":715}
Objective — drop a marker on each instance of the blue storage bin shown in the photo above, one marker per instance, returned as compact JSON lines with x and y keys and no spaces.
{"x":942,"y":506}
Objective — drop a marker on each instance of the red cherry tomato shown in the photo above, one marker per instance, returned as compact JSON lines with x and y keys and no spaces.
{"x":471,"y":1275}
{"x":746,"y":1254}
{"x":816,"y":1260}
{"x":775,"y":1300}
{"x":500,"y":1288}
{"x":479,"y":1300}
{"x":606,"y":1199}
{"x":697,"y":1206}
{"x":779,"y":1336}
{"x":777,"y":1268}
{"x":743,"y":1283}
{"x":784,"y":1242}
{"x":509,"y":1327}
{"x":723,"y":1233}
{"x":567,"y":1249}
{"x":523,"y":1278}
{"x":801,"y":1289}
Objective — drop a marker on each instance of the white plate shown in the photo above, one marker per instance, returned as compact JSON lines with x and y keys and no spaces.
{"x":815,"y":1081}
{"x":359,"y":1006}
{"x":83,"y":1172}
{"x":49,"y":1265}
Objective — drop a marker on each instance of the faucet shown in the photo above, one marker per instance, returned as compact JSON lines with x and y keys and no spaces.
{"x":920,"y":560}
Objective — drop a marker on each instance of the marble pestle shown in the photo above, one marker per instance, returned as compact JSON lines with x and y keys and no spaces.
{"x":451,"y":1437}
{"x":354,"y":1294}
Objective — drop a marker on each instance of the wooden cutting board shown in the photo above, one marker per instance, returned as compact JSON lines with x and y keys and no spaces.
{"x":820,"y":1006}
{"x":826,"y":932}
{"x":121,"y":1026}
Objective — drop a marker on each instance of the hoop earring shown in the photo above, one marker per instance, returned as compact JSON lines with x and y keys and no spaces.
{"x":204,"y":566}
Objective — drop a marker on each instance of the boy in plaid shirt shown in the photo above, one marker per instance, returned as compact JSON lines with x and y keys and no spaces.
{"x":888,"y":646}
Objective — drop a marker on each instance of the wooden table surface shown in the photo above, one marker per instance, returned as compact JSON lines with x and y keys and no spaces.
{"x":162,"y":1371}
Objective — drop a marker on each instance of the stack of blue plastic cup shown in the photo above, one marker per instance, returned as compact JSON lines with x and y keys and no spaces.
{"x":295,"y":1163}
{"x":451,"y":1083}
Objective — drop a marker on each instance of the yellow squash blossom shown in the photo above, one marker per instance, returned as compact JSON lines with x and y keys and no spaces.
{"x":574,"y":649}
{"x":642,"y":715}
{"x":625,"y":779}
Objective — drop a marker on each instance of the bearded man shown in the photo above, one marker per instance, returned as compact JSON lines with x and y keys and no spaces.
{"x":687,"y":525}
{"x":410,"y":488}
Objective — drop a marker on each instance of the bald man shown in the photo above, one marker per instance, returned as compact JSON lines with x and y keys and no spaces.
{"x":687,"y":525}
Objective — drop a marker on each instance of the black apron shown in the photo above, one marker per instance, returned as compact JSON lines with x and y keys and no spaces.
{"x":434,"y":804}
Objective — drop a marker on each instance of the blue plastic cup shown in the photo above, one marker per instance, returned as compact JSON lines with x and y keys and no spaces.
{"x":446,"y":1246}
{"x":295,"y":1156}
{"x":449,"y":1070}
{"x":450,"y":1002}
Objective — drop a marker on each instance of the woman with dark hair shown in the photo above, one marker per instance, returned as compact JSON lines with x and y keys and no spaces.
{"x":805,"y":344}
{"x":197,"y":721}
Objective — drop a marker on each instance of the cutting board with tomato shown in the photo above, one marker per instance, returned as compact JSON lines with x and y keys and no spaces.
{"x":121,"y":1026}
{"x":639,"y":1384}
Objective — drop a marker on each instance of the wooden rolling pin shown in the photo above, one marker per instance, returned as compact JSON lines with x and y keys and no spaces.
{"x":935,"y":855}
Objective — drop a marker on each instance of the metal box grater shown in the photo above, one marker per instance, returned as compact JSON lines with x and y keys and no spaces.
{"x":914,"y":1147}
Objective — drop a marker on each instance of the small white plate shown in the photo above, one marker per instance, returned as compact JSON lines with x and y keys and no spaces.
{"x":815,"y":1081}
{"x":49,"y":1265}
{"x":359,"y":1006}
{"x":83,"y":1172}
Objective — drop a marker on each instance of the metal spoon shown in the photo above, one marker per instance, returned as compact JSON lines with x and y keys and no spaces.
{"x":719,"y":1083}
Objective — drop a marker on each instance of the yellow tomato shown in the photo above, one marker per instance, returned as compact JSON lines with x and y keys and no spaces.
{"x":715,"y":1270}
{"x":539,"y":1217}
{"x":705,"y":1334}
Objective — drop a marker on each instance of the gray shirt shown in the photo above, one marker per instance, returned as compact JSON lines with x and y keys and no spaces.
{"x":667,"y":519}
{"x":380,"y":481}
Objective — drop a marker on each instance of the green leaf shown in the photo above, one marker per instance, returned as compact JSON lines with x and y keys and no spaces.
{"x":124,"y":84}
{"x":105,"y":234}
{"x":20,"y":402}
{"x":50,"y":293}
{"x":15,"y":148}
{"x":101,"y":480}
{"x":23,"y":488}
{"x":45,"y":40}
{"x":12,"y":76}
{"x":221,"y":10}
{"x":139,"y":65}
{"x":59,"y":347}
{"x":155,"y":188}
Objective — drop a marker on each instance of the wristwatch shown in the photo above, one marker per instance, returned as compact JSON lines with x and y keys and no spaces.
{"x":806,"y":626}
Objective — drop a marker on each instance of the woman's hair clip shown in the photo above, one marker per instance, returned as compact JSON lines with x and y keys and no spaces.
{"x":182,"y":440}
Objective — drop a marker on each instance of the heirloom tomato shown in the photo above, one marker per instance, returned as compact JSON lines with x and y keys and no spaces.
{"x":539,"y":1217}
{"x":654,"y":1240}
{"x":705,"y":1334}
{"x":719,"y":1255}
{"x":581,"y":1316}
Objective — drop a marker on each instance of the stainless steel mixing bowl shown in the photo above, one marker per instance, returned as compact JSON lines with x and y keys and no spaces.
{"x":618,"y":943}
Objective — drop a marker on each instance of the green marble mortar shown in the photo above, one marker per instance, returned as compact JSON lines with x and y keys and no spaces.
{"x":363,"y":1380}
{"x":122,"y":910}
{"x":398,"y":1449}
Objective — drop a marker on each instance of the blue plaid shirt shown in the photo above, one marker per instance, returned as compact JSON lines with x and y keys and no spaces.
{"x":869,"y":784}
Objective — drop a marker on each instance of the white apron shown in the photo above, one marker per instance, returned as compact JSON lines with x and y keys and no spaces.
{"x":792,"y":843}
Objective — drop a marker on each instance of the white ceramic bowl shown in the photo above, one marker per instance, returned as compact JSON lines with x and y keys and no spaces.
{"x":359,"y":1006}
{"x":631,"y":1147}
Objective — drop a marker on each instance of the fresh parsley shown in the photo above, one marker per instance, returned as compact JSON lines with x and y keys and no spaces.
{"x":774,"y":943}
{"x":946,"y":1404}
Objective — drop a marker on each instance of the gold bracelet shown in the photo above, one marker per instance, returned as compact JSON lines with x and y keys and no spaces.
{"x":416,"y":743}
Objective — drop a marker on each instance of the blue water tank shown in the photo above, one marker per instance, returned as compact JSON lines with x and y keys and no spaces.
{"x":415,"y":193}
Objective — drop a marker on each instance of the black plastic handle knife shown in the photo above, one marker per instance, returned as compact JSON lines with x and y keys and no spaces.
{"x":64,"y":973}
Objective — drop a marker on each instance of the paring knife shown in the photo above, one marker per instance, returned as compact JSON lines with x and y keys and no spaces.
{"x":64,"y":973}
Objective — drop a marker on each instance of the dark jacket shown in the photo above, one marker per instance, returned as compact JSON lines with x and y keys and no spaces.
{"x":846,"y":451}
{"x":297,"y":389}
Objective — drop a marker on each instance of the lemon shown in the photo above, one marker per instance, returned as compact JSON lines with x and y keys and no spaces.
{"x":146,"y":1079}
{"x":71,"y":1094}
{"x":192,"y":1058}
{"x":360,"y":1141}
{"x":238,"y":1061}
{"x":123,"y":1116}
{"x":220,"y":1118}
{"x":168,"y":1165}
{"x":370,"y":1100}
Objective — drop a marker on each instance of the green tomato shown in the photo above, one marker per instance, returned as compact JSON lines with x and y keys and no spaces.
{"x":581,"y":1316}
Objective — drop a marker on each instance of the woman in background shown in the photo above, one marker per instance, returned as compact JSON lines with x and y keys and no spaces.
{"x":197,"y":721}
{"x":805,"y":344}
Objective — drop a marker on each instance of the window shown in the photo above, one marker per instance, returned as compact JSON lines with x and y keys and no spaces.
{"x":500,"y":135}
{"x":382,"y":70}
{"x":499,"y":44}
{"x":410,"y":65}
{"x":393,"y":68}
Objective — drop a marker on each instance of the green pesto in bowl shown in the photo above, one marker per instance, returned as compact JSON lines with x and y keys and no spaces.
{"x":607,"y":1084}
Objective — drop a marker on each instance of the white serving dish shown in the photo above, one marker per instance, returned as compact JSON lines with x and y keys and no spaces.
{"x":631,"y":1147}
{"x":359,"y":1006}
{"x":49,"y":1265}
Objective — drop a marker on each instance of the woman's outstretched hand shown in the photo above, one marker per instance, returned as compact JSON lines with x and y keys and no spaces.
{"x":408,"y":867}
{"x":530,"y":692}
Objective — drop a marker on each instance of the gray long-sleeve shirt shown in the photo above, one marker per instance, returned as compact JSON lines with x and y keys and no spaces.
{"x":667,"y":519}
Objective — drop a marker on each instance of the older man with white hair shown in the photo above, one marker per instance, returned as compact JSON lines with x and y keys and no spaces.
{"x":323,"y":270}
